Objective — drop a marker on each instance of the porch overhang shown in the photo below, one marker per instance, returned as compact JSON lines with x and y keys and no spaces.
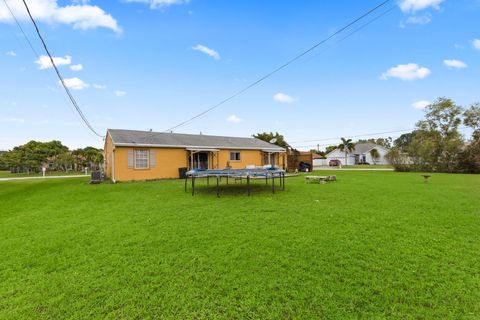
{"x":202,"y":150}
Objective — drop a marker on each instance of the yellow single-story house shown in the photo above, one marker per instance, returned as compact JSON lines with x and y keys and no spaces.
{"x":146,"y":155}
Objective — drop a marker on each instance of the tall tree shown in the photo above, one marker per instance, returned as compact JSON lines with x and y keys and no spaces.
{"x":274,"y":138}
{"x":471,"y":118}
{"x":346,"y":146}
{"x":437,"y":141}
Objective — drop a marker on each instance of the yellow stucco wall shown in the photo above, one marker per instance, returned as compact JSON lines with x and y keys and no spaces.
{"x":167,"y":163}
{"x":168,"y":160}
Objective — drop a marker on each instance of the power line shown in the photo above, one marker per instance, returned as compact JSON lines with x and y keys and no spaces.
{"x":354,"y":136}
{"x":21,"y":29}
{"x":268,"y":75}
{"x":62,"y":81}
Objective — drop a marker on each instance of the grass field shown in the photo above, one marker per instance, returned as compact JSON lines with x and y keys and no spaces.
{"x":7,"y":174}
{"x":372,"y":245}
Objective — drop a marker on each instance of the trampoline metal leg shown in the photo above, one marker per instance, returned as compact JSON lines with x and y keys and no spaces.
{"x":193,"y":185}
{"x":273,"y":183}
{"x":218,"y":189}
{"x":248,"y":185}
{"x":186,"y":179}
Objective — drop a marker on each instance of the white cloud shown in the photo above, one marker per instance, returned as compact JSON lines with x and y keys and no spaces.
{"x":17,"y":120}
{"x":11,"y":53}
{"x":283,"y":98}
{"x":457,"y":64}
{"x":81,"y":16}
{"x":44,"y":61}
{"x":120,"y":93}
{"x":154,"y":4}
{"x":422,"y":104}
{"x":417,"y":5}
{"x":99,"y":86}
{"x":476,"y":44}
{"x":76,"y":67}
{"x":212,"y":53}
{"x":75,"y":83}
{"x":410,"y":71}
{"x":425,"y":19}
{"x":234,"y":119}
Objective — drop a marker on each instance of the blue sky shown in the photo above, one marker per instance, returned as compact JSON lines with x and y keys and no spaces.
{"x":152,"y":64}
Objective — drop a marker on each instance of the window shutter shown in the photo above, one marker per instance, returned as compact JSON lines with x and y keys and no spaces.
{"x":130,"y":159}
{"x":153,"y":158}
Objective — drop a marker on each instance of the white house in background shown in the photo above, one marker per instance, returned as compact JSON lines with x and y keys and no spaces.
{"x":361,"y":154}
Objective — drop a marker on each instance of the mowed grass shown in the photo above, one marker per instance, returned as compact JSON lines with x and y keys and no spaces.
{"x":8,"y":174}
{"x":372,"y":245}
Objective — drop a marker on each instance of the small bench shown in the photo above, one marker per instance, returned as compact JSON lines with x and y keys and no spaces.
{"x":316,"y":179}
{"x":320,"y":179}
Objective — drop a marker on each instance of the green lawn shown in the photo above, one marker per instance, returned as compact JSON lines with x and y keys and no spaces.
{"x":370,"y":166}
{"x":7,"y":174}
{"x":373,"y":245}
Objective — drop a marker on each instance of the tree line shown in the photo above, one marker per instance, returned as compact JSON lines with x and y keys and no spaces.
{"x":53,"y":155}
{"x":437,"y":145}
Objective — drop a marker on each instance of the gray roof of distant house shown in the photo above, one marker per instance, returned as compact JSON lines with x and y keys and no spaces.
{"x":180,"y":140}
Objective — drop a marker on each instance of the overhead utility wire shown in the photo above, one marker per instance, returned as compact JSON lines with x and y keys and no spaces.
{"x":21,"y":29}
{"x":268,"y":75}
{"x":330,"y":144}
{"x":69,"y":94}
{"x":355,"y":136}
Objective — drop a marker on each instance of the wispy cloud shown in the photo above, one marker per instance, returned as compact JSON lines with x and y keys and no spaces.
{"x":456,"y":64}
{"x":424,"y":19}
{"x":154,"y":4}
{"x":44,"y":61}
{"x":11,"y":53}
{"x":120,"y":93}
{"x":410,"y":71}
{"x":283,"y":98}
{"x":234,"y":119}
{"x":75,"y":83}
{"x":76,"y":67}
{"x":417,"y":5}
{"x":81,"y":16}
{"x":208,"y":51}
{"x":16,"y":120}
{"x":422,"y":104}
{"x":476,"y":44}
{"x":99,"y":86}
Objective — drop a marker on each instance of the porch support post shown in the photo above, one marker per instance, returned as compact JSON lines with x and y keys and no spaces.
{"x":191,"y":159}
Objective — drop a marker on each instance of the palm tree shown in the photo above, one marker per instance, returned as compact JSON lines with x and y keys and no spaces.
{"x":375,"y":155}
{"x":346,"y":146}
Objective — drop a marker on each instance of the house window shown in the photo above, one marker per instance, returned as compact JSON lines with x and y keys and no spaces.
{"x":235,"y":156}
{"x":141,"y":159}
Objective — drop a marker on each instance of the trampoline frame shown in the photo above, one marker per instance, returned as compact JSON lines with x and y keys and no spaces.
{"x":241,"y":174}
